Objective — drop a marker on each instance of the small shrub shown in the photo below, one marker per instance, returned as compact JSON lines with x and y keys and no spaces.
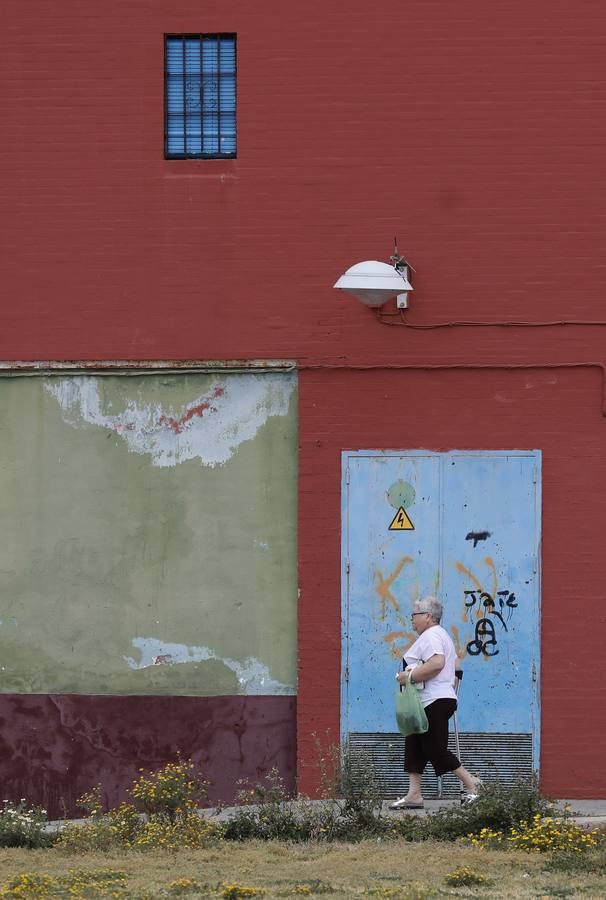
{"x":314,"y":886}
{"x":188,"y":832}
{"x":559,"y":890}
{"x":307,"y":888}
{"x":23,"y":826}
{"x":239,"y":891}
{"x":385,"y":893}
{"x":465,"y":876}
{"x":488,"y":838}
{"x":124,"y":823}
{"x":416,"y":891}
{"x":545,"y":835}
{"x":359,"y":786}
{"x":570,"y":861}
{"x":409,"y":828}
{"x":268,"y":813}
{"x":74,"y":884}
{"x":349,"y":810}
{"x":170,"y":797}
{"x":170,"y":791}
{"x":102,"y":883}
{"x":184,"y":886}
{"x":498,"y":808}
{"x":91,"y":802}
{"x":540,"y":835}
{"x":87,"y":838}
{"x":29,"y":884}
{"x":116,"y":828}
{"x":413,"y":891}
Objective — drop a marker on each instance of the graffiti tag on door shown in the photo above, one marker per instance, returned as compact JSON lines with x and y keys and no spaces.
{"x":489,"y":612}
{"x":485,"y":638}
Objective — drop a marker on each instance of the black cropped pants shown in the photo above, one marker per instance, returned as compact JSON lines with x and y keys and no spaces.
{"x":419,"y":749}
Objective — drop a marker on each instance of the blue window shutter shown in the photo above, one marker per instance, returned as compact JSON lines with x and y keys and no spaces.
{"x":200,"y":96}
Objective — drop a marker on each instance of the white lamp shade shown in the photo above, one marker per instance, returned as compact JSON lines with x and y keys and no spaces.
{"x":373,"y":282}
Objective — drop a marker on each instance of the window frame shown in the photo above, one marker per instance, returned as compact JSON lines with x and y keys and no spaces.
{"x":184,"y":36}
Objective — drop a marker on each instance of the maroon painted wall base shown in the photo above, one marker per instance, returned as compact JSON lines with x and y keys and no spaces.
{"x":54,"y":747}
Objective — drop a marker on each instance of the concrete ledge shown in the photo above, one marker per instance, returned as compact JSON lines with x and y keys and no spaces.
{"x":585,"y":813}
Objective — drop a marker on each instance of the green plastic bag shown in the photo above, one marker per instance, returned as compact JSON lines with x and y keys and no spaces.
{"x":410,"y":714}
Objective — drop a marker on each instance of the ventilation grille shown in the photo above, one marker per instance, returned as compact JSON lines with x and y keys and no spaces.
{"x":503,"y":757}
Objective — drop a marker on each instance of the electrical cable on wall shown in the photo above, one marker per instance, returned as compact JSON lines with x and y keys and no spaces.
{"x":401,"y":321}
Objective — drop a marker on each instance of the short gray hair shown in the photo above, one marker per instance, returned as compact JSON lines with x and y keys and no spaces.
{"x":430,"y":605}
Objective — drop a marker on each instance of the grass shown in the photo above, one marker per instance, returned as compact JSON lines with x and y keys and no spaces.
{"x":381,"y":868}
{"x":501,"y":846}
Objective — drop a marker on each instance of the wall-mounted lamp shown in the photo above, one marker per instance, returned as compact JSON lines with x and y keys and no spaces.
{"x":374,"y":282}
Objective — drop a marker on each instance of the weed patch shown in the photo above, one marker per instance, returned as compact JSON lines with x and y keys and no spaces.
{"x":559,"y":890}
{"x":240,"y":891}
{"x":170,"y":791}
{"x":182,"y":886}
{"x":307,"y":888}
{"x":570,"y":861}
{"x":75,"y":884}
{"x":465,"y":876}
{"x":350,"y":809}
{"x":413,"y":891}
{"x":498,"y":808}
{"x":542,"y":836}
{"x":169,"y":799}
{"x":23,"y":826}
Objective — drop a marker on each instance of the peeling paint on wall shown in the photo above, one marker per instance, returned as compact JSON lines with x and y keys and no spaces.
{"x":253,"y":676}
{"x":210,"y":427}
{"x":107,"y":537}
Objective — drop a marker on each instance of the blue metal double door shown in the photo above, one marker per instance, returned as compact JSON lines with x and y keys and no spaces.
{"x":464,"y":526}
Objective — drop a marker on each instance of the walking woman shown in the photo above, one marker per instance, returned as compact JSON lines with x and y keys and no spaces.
{"x":430,"y":662}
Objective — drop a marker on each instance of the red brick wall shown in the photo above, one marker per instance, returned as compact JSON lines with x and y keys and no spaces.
{"x":473,"y":131}
{"x":557,"y":410}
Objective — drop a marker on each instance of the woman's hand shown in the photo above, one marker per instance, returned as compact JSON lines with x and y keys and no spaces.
{"x":402,"y":677}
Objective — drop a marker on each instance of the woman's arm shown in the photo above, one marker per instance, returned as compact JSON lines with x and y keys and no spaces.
{"x":429,"y":669}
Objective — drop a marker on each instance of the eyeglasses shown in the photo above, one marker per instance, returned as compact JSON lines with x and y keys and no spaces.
{"x":421,"y":612}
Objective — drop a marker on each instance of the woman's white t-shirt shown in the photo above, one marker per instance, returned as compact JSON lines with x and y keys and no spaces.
{"x":434,"y":640}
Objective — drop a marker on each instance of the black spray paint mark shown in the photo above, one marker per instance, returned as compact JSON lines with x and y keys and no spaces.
{"x":476,"y":536}
{"x":485,"y":638}
{"x":483,"y":598}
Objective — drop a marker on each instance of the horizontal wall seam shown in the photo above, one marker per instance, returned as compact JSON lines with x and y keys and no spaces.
{"x":423,"y":367}
{"x":142,"y":367}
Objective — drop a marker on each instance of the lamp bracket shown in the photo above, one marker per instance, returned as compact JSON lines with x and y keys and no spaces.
{"x":399,"y":262}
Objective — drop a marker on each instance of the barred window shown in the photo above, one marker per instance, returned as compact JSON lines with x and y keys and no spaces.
{"x":200,"y":86}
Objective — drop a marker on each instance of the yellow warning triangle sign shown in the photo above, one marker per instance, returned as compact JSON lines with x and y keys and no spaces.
{"x":401,"y":522}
